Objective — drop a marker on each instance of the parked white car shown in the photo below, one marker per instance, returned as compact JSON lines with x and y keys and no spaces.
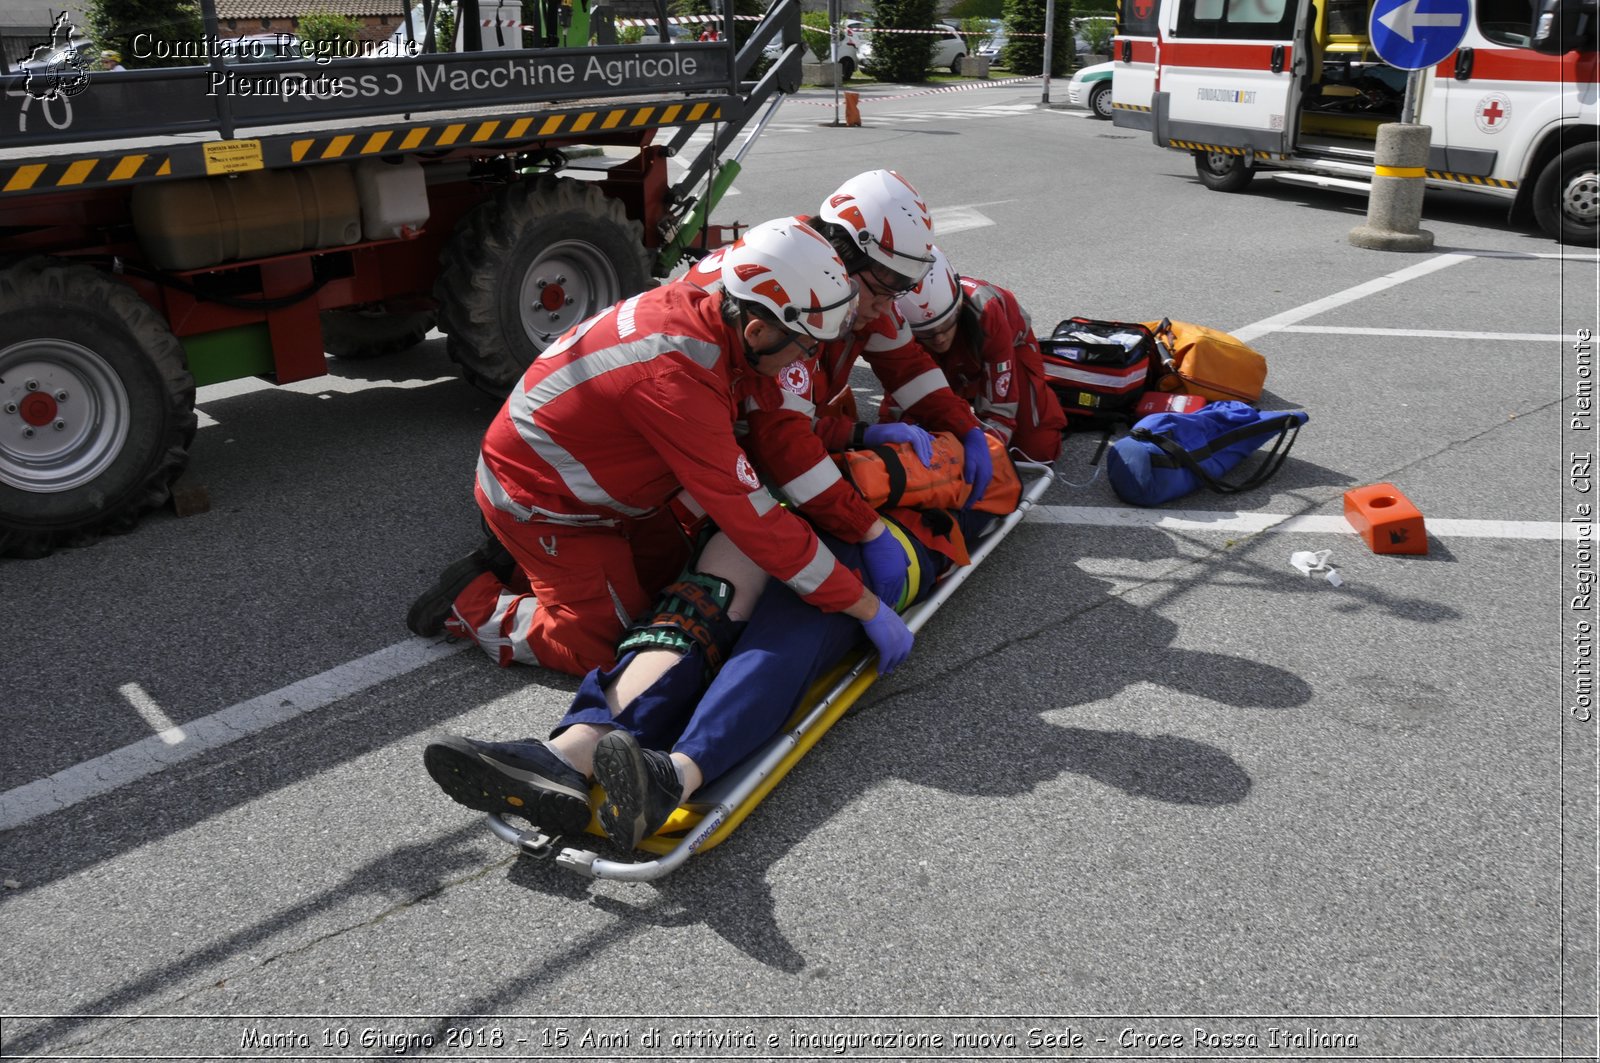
{"x":949,"y":48}
{"x":1091,"y":87}
{"x":851,"y":36}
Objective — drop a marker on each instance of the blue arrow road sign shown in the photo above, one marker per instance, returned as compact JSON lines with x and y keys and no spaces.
{"x":1415,"y":34}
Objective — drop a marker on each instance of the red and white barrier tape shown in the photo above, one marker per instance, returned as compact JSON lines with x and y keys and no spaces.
{"x":929,"y":92}
{"x":680,"y":20}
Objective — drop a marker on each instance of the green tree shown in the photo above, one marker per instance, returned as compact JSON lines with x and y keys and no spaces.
{"x":322,"y":33}
{"x":965,"y":9}
{"x":1024,"y":51}
{"x":974,"y":31}
{"x":136,"y":29}
{"x":444,"y":28}
{"x":903,"y":56}
{"x":816,"y":33}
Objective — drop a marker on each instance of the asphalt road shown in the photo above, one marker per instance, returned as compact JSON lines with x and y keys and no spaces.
{"x":1143,"y":788}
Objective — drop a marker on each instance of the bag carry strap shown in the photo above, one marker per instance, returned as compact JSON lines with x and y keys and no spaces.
{"x":1288,"y":431}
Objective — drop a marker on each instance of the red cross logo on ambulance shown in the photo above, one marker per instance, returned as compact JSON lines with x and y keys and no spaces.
{"x":745,"y":473}
{"x":796,"y":378}
{"x":1493,"y":112}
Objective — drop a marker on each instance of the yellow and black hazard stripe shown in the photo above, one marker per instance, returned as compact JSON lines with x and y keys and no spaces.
{"x":489,"y":131}
{"x":1128,"y":107}
{"x":1189,"y":145}
{"x":1461,"y":178}
{"x":68,"y":173}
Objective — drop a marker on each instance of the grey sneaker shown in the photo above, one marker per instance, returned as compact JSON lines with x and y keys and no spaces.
{"x":642,"y":788}
{"x":524,"y":778}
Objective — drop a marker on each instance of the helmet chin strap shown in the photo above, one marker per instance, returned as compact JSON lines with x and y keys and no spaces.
{"x":754,"y":356}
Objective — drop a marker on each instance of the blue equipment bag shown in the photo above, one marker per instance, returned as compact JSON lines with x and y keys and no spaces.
{"x":1168,"y":455}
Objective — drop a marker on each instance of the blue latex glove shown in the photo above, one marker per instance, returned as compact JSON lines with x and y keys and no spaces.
{"x":890,"y":634}
{"x":976,"y":469}
{"x":920,"y":440}
{"x":885,"y":562}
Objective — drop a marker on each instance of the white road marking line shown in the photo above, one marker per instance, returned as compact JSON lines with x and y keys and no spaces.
{"x":958,"y":219}
{"x":1349,"y":295}
{"x":1205,"y":520}
{"x":1436,"y":334}
{"x":132,"y":762}
{"x":146,"y":707}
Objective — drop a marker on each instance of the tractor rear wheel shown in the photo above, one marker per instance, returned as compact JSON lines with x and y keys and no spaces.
{"x":96,"y":407}
{"x":526,"y":266}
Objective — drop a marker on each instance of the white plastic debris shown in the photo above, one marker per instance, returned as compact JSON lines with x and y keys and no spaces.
{"x":1309,"y":562}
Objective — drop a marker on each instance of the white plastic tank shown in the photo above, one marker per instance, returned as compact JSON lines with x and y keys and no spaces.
{"x":394,"y":198}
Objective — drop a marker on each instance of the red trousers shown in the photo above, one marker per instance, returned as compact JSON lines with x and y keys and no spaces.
{"x":584,"y":587}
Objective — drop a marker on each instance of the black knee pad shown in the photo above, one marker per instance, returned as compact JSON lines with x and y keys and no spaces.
{"x":691,"y":612}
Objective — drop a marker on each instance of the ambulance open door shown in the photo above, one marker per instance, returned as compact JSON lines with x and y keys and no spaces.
{"x":1231,"y":72}
{"x":1135,"y":57}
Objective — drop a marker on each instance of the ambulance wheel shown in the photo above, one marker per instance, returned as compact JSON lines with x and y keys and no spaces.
{"x":1566,"y":198}
{"x":1222,"y":172}
{"x":358,"y":334}
{"x":847,"y":68}
{"x":1100,"y":101}
{"x":526,"y":266}
{"x":96,"y":407}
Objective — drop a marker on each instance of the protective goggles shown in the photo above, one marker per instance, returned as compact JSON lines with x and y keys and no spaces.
{"x":885,"y":281}
{"x":810,"y":321}
{"x":916,"y":266}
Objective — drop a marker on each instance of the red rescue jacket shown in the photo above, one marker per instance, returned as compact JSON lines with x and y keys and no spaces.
{"x":792,"y":424}
{"x":633,"y":406}
{"x":1003,"y":376}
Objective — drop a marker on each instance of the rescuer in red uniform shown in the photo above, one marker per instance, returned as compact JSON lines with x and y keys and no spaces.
{"x":630,"y":409}
{"x":882,"y":230}
{"x":983,"y":341}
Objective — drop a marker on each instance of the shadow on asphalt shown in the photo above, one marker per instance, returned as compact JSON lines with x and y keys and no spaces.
{"x":1438,"y":205}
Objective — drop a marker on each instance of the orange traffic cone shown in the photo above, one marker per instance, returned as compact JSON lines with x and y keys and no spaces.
{"x":852,"y":108}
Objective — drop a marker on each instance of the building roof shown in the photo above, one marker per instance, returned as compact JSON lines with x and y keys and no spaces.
{"x":34,"y":15}
{"x":247,"y":9}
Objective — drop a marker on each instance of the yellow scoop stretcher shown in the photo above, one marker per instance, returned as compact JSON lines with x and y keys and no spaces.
{"x":708,"y":817}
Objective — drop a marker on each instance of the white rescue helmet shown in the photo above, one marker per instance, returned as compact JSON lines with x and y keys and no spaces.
{"x":933,"y":303}
{"x":790,"y":270}
{"x":885,"y":219}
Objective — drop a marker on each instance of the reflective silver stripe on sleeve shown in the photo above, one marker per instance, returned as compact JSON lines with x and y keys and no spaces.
{"x":574,"y":474}
{"x":791,"y":401}
{"x":815,"y":573}
{"x":811,"y":483}
{"x":1000,"y":429}
{"x":692,"y":504}
{"x":798,"y":403}
{"x":919,"y":388}
{"x":1002,"y":409}
{"x":761,"y":501}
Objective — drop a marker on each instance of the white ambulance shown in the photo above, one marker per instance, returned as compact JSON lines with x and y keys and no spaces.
{"x":1294,"y":87}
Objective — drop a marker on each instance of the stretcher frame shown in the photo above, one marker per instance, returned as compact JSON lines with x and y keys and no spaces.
{"x":708,"y":817}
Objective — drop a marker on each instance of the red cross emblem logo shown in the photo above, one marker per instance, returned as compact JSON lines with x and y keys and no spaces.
{"x":1493,"y":113}
{"x":796,"y":379}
